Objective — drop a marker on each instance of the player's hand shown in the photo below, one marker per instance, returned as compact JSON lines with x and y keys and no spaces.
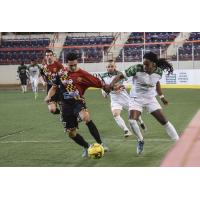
{"x":165,"y":102}
{"x":104,"y":94}
{"x":107,"y":88}
{"x":118,"y":88}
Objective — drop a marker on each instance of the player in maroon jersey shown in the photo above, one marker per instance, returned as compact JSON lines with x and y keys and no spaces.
{"x":48,"y":72}
{"x":73,"y":82}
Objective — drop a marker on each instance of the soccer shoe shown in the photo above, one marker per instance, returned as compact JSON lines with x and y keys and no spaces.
{"x":85,"y":153}
{"x":140,"y":147}
{"x":127,"y":133}
{"x":106,"y":149}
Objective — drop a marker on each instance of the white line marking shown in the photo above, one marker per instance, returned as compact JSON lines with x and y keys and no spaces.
{"x":9,"y":135}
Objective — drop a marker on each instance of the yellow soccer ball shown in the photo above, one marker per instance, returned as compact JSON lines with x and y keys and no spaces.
{"x":96,"y":151}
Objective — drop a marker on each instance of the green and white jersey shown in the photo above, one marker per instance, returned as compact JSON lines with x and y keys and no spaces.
{"x":108,"y":78}
{"x":34,"y":71}
{"x":144,"y":84}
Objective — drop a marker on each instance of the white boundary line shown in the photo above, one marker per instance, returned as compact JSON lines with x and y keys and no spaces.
{"x":60,"y":141}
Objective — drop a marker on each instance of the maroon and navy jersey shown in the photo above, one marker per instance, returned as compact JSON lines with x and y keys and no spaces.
{"x":74,"y":84}
{"x":49,"y":72}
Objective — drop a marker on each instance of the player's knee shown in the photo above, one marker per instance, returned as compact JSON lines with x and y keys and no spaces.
{"x":133,"y":117}
{"x":133,"y":121}
{"x":164,"y":122}
{"x":85,"y":117}
{"x":52,"y":110}
{"x":71,"y":133}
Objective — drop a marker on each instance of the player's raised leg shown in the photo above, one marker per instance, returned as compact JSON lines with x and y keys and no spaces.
{"x":77,"y":138}
{"x":85,"y":117}
{"x":169,"y":128}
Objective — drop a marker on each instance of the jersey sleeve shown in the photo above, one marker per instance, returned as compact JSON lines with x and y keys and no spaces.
{"x":131,"y":71}
{"x":91,"y":81}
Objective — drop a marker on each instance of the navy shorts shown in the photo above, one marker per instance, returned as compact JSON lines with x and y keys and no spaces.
{"x":23,"y":80}
{"x":70,"y":112}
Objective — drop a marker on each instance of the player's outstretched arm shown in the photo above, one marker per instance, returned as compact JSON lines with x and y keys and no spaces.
{"x":51,"y":92}
{"x":160,"y":93}
{"x":117,"y":78}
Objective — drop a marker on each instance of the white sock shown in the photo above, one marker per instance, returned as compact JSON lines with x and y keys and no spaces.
{"x":33,"y":88}
{"x":136,"y":129}
{"x":22,"y":88}
{"x":171,"y":131}
{"x":121,"y":123}
{"x":25,"y":88}
{"x":140,"y":120}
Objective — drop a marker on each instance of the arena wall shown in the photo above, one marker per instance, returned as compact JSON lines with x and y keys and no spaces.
{"x":8,"y":72}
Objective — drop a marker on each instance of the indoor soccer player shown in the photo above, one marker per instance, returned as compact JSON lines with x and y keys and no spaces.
{"x":119,"y":99}
{"x":48,"y":72}
{"x":145,"y":77}
{"x":34,"y":73}
{"x":73,"y":82}
{"x":23,"y":75}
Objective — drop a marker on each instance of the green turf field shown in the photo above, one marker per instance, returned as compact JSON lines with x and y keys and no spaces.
{"x":31,"y":136}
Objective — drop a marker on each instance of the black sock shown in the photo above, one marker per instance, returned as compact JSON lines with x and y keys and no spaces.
{"x":57,"y":112}
{"x":80,"y":140}
{"x":94,"y":131}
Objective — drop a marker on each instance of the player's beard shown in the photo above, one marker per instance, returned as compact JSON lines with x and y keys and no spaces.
{"x":49,"y":61}
{"x":73,"y":69}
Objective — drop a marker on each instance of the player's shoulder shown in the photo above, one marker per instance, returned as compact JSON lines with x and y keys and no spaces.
{"x":138,"y":67}
{"x":158,"y":71}
{"x":82,"y":71}
{"x":58,"y":64}
{"x":117,"y":72}
{"x":134,"y":69}
{"x":104,"y":75}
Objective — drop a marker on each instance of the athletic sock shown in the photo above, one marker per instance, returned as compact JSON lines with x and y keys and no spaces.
{"x":94,"y":131}
{"x":22,"y":88}
{"x":119,"y":120}
{"x":171,"y":131}
{"x":80,"y":140}
{"x":25,"y":88}
{"x":136,"y":130}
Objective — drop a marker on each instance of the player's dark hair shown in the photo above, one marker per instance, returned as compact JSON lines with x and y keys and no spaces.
{"x":160,"y":62}
{"x":49,"y":51}
{"x":72,"y":56}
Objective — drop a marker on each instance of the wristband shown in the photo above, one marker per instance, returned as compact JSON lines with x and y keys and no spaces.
{"x":161,"y":96}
